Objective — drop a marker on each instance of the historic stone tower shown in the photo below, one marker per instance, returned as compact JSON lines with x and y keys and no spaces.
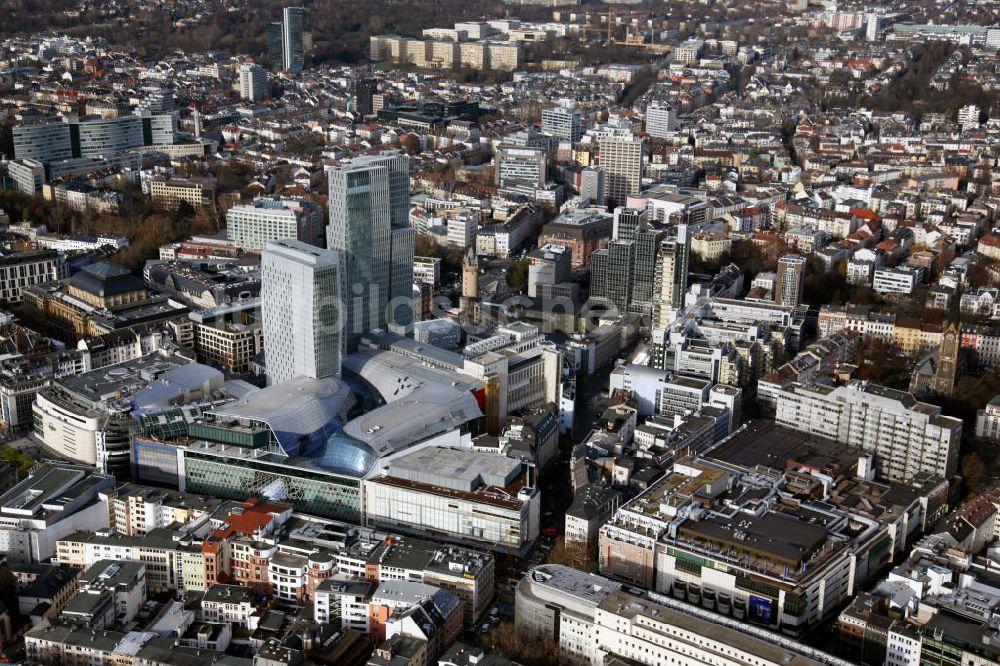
{"x":470,"y":286}
{"x":947,"y":365}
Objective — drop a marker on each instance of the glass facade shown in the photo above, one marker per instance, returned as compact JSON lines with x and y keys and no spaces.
{"x":310,"y":491}
{"x":153,"y":462}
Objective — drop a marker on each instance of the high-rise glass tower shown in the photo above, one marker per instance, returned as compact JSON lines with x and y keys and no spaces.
{"x":301,"y":310}
{"x":275,"y":44}
{"x":670,"y":277}
{"x":293,"y":39}
{"x":369,"y":215}
{"x":623,"y":272}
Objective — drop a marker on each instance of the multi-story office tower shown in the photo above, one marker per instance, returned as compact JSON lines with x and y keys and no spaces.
{"x":301,"y":310}
{"x":157,"y":100}
{"x":158,"y":129}
{"x":107,"y":135}
{"x":661,"y":120}
{"x":630,"y":226}
{"x":401,"y":314}
{"x":592,"y":186}
{"x":250,"y":226}
{"x":369,"y":211}
{"x":275,"y":45}
{"x":670,"y":277}
{"x":791,"y":279}
{"x":253,"y":82}
{"x":611,"y":274}
{"x":397,"y":164}
{"x":93,"y":137}
{"x":45,"y":142}
{"x":621,"y":158}
{"x":626,"y":223}
{"x":402,"y":237}
{"x":562,"y":123}
{"x":646,"y":245}
{"x":520,"y":166}
{"x":906,"y":437}
{"x":364,"y":95}
{"x":293,"y":46}
{"x":968,"y":117}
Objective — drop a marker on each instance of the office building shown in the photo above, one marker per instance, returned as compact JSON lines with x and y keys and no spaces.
{"x":253,"y":82}
{"x":548,"y":266}
{"x":301,"y":308}
{"x":427,"y":270}
{"x":462,"y":228}
{"x":196,"y":192}
{"x":292,"y":39}
{"x":670,"y":277}
{"x":469,"y":497}
{"x":28,"y":175}
{"x":55,"y":500}
{"x":87,"y":417}
{"x":592,"y":186}
{"x":560,"y":604}
{"x":43,"y":142}
{"x":987,"y":421}
{"x":791,"y":280}
{"x":230,"y":335}
{"x":562,"y":124}
{"x":595,"y":621}
{"x":369,"y":224}
{"x":520,"y":166}
{"x":24,"y":269}
{"x":611,"y":275}
{"x":103,"y":135}
{"x":621,"y":159}
{"x":275,"y":45}
{"x":365,"y":90}
{"x":250,"y":226}
{"x":583,"y":231}
{"x":661,"y":120}
{"x":906,"y":437}
{"x":110,"y":594}
{"x":76,"y":137}
{"x":897,"y":279}
{"x":785,"y":566}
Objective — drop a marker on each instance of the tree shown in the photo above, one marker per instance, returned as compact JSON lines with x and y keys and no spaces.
{"x":973,"y":469}
{"x":184,"y":212}
{"x":410,"y":143}
{"x":517,"y":275}
{"x":523,"y":646}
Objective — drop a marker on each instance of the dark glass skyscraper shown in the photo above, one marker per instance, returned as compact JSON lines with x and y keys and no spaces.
{"x":292,"y":39}
{"x":369,"y":223}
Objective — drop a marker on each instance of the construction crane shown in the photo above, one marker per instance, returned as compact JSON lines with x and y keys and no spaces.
{"x":608,"y":14}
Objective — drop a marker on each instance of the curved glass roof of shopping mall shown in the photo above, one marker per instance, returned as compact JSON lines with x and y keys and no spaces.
{"x":311,"y":419}
{"x":302,"y":413}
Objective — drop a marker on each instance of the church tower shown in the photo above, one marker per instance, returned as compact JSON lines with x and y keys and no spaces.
{"x":947,"y":365}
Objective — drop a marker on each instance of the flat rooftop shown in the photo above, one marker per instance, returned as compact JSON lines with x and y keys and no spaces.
{"x":773,"y":535}
{"x":650,"y":614}
{"x":761,"y":443}
{"x":456,"y":469}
